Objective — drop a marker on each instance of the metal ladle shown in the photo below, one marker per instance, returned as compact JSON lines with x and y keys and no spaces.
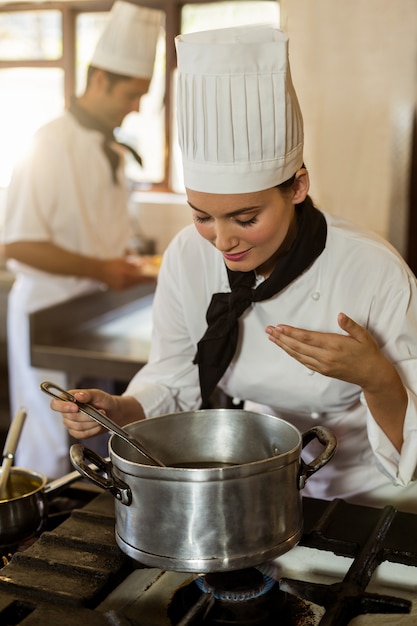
{"x":103,"y":420}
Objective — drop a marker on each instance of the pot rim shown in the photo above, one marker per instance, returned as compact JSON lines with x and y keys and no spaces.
{"x":27,"y":494}
{"x":228,"y":470}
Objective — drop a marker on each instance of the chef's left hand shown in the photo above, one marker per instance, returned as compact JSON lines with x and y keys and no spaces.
{"x":353,"y":357}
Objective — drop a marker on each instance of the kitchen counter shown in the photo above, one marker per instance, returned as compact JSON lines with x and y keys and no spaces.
{"x":105,"y":334}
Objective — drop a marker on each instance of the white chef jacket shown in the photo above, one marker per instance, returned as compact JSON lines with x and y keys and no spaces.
{"x":357,"y":273}
{"x":62,"y":192}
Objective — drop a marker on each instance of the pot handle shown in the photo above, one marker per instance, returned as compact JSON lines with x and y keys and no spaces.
{"x":79,"y":454}
{"x":328,"y":440}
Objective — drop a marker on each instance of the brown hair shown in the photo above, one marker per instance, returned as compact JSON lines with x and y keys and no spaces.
{"x":287,"y":183}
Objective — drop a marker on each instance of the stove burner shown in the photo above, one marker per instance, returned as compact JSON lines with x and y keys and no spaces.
{"x":237,"y":598}
{"x":237,"y":586}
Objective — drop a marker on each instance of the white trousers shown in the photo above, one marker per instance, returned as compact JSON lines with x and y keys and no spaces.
{"x":44,"y":442}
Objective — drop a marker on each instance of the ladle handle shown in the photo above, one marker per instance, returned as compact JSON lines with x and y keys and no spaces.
{"x":103,"y":420}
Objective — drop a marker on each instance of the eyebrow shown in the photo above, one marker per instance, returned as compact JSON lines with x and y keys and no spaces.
{"x":231,"y":213}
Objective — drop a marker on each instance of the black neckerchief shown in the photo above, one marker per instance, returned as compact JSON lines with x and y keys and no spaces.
{"x":216,"y":348}
{"x":87,"y":120}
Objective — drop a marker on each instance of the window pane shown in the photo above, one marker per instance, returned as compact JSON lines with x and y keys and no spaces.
{"x":145,"y":130}
{"x":89,"y":28}
{"x":29,"y":99}
{"x":31,"y":35}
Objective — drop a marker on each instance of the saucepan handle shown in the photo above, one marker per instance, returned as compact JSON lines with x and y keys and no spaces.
{"x":79,"y":456}
{"x":328,"y":440}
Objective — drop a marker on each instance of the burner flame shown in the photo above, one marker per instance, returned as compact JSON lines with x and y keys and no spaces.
{"x":236,"y":586}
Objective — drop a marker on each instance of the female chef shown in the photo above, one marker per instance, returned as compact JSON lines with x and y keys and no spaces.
{"x":284,"y":307}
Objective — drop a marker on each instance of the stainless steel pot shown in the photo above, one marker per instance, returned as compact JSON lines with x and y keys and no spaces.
{"x":24,"y":509}
{"x":230,"y":497}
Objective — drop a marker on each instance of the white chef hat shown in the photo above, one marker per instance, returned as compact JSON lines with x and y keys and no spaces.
{"x":239,"y":122}
{"x":127,"y":46}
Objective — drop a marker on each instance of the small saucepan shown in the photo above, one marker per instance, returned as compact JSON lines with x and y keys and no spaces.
{"x":24,"y":509}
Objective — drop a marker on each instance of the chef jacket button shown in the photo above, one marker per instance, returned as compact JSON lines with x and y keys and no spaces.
{"x":315,"y":295}
{"x":310,"y":372}
{"x":236,"y":401}
{"x":315,"y":415}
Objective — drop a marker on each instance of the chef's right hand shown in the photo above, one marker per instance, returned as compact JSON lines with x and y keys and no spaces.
{"x":120,"y":273}
{"x":121,"y":409}
{"x":78,"y":424}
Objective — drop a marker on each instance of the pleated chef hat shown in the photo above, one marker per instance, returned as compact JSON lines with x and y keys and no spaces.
{"x":239,"y":122}
{"x":127,"y":46}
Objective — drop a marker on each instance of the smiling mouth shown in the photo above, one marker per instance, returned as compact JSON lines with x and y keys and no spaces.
{"x":237,"y":256}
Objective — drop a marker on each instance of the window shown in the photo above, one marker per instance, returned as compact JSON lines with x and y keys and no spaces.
{"x":30,"y":97}
{"x":31,"y":94}
{"x":44,"y":54}
{"x":30,"y":35}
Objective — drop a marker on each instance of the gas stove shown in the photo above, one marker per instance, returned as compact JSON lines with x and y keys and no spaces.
{"x":354,"y":566}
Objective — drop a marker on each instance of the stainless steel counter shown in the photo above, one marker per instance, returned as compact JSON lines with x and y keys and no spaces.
{"x":101,"y":335}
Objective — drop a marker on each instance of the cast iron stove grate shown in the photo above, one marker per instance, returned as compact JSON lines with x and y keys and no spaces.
{"x":345,"y":600}
{"x":65,"y":575}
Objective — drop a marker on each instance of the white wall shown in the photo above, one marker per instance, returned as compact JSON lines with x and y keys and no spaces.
{"x":354,"y":66}
{"x":159,"y":216}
